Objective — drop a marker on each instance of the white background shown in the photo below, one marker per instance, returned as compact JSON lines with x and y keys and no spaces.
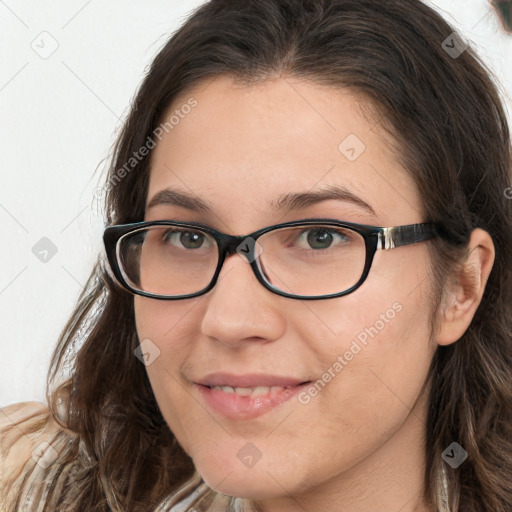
{"x":58,"y":119}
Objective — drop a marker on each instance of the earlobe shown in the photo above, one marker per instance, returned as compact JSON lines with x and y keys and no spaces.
{"x":463,"y":296}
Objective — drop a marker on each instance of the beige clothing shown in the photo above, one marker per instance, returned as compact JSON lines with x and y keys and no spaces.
{"x":30,"y":442}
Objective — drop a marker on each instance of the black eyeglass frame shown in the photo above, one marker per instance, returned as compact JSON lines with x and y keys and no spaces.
{"x":375,"y":238}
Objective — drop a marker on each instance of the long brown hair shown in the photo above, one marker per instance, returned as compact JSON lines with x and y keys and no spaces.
{"x":450,"y":132}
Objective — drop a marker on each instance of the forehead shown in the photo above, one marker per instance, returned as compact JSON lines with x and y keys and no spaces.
{"x":240,"y":147}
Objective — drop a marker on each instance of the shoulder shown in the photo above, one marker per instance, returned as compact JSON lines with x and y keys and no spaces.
{"x":20,"y":429}
{"x":29,"y":445}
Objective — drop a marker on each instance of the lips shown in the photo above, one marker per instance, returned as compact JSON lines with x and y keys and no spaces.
{"x":245,"y":397}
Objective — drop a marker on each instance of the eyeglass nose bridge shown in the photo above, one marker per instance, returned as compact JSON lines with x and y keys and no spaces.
{"x":247,"y":248}
{"x":245,"y":245}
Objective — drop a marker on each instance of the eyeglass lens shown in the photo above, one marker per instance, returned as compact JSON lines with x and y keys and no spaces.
{"x":310,"y":260}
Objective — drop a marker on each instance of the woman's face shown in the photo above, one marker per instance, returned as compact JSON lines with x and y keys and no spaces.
{"x":239,"y":149}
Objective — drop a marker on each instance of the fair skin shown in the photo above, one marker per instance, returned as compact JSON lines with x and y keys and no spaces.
{"x":358,"y":444}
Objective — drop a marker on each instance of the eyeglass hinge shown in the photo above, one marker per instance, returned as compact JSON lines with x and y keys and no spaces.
{"x":386,"y":239}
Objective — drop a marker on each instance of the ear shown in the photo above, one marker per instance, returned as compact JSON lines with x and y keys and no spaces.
{"x":463,"y":295}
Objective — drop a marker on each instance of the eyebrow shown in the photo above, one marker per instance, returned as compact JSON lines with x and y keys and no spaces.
{"x":284,"y":203}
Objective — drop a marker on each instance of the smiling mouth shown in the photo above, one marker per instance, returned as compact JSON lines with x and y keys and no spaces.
{"x":246,"y":403}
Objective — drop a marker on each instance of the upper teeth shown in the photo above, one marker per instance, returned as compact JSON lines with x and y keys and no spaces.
{"x":258,"y":390}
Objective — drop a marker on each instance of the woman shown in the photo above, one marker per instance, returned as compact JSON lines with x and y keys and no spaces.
{"x":356,"y":353}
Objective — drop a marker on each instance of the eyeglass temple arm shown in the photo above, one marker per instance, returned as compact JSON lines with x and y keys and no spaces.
{"x":392,"y":237}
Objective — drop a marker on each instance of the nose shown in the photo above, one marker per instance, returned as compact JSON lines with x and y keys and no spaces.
{"x":239,"y":309}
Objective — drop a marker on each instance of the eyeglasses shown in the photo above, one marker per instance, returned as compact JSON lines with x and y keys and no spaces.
{"x":307,"y":259}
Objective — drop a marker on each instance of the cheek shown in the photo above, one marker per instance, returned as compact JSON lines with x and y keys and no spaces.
{"x":168,"y":324}
{"x":165,"y":329}
{"x":375,"y":350}
{"x":374,"y":371}
{"x":390,"y":313}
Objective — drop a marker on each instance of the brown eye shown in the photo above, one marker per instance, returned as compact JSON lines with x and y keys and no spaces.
{"x":188,"y":239}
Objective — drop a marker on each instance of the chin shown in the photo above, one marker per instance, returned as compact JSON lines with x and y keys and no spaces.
{"x":240,"y":482}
